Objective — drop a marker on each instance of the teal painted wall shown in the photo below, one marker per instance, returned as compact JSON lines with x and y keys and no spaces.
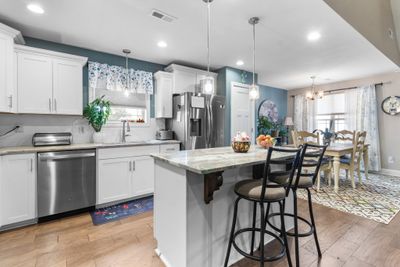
{"x":228,"y":75}
{"x":101,"y":57}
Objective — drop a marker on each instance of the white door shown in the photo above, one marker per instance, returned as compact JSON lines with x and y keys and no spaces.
{"x":67,"y":89}
{"x":6,"y":73}
{"x":114,"y":180}
{"x":143,"y":175}
{"x":35,"y":84}
{"x":18,"y":188}
{"x":242,"y":110}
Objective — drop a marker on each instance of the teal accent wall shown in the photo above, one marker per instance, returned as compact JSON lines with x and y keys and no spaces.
{"x":277,"y":95}
{"x":101,"y":57}
{"x":227,"y":75}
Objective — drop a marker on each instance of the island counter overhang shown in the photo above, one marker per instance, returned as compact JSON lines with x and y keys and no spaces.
{"x":191,"y":224}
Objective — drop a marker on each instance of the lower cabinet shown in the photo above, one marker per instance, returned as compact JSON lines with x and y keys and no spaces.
{"x":123,"y":178}
{"x":18,"y":188}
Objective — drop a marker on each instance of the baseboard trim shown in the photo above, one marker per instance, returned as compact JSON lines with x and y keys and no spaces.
{"x":390,"y":172}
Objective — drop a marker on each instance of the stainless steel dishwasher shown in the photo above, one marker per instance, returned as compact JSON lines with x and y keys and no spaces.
{"x":66,"y":181}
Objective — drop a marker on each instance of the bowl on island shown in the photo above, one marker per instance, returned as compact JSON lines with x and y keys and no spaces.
{"x":265,"y":141}
{"x":241,"y":143}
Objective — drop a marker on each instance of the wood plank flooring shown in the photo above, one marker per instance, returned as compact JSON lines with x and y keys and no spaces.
{"x":346,"y":240}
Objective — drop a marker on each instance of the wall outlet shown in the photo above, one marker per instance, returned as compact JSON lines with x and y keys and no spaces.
{"x":391,"y":160}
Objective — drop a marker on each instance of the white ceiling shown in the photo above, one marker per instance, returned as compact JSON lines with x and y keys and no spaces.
{"x":284,"y":58}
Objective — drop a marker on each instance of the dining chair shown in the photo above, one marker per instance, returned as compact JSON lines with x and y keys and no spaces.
{"x":353,"y":163}
{"x":303,"y":137}
{"x":345,"y":136}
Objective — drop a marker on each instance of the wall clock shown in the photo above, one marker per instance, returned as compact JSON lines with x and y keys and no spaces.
{"x":391,"y":105}
{"x":268,"y":109}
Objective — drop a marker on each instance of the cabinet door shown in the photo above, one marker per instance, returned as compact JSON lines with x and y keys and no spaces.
{"x":143,"y":175}
{"x":114,"y":180}
{"x":184,"y":81}
{"x":18,"y":188}
{"x":163,"y":97}
{"x":67,"y":89}
{"x":6,"y":73}
{"x":35,"y":84}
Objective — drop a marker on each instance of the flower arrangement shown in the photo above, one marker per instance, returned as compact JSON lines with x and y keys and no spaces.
{"x":265,"y":141}
{"x":241,"y":142}
{"x":97,"y":113}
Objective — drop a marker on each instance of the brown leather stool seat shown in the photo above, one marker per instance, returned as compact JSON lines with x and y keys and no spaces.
{"x":251,"y":189}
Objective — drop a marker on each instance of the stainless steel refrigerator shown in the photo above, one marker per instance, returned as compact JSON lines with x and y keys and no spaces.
{"x":198,"y":120}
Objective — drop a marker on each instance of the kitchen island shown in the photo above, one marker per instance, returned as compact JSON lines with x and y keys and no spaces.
{"x":193,"y":204}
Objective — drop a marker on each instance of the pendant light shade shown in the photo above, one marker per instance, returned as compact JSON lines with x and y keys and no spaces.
{"x":207,"y":84}
{"x":254,"y":91}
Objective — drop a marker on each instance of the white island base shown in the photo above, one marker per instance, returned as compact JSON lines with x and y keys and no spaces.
{"x":191,"y":233}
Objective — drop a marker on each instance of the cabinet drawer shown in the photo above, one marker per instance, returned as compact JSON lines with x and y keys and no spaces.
{"x":169,"y":148}
{"x":123,"y":152}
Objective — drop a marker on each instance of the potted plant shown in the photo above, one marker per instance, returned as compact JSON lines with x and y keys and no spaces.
{"x":97,"y":113}
{"x":266,"y":126}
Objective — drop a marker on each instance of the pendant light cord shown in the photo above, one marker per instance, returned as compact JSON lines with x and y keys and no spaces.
{"x":254,"y":53}
{"x":208,"y":36}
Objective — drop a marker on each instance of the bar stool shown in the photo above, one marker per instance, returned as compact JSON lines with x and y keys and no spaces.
{"x":305,"y":179}
{"x":262,"y":191}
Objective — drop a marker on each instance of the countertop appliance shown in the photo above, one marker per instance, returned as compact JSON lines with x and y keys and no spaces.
{"x":198,"y":120}
{"x":66,"y":180}
{"x":51,"y":139}
{"x":165,"y":135}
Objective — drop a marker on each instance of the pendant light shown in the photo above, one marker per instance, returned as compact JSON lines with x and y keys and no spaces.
{"x":313,"y":94}
{"x":207,"y":84}
{"x":126,"y":52}
{"x":254,"y":92}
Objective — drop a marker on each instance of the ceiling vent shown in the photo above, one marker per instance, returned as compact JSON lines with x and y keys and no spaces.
{"x":163,"y":16}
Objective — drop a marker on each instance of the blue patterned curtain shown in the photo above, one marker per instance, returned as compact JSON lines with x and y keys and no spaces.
{"x":116,"y":78}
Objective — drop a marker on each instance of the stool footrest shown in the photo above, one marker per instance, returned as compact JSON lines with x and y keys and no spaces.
{"x":311,"y":232}
{"x":247,"y":255}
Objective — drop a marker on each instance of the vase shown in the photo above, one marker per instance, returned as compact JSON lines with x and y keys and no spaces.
{"x":98,"y":137}
{"x":274,"y":133}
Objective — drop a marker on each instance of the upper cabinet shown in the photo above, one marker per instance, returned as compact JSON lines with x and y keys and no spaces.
{"x":163,"y":96}
{"x":49,"y":82}
{"x":186,"y":79}
{"x":7,"y":68}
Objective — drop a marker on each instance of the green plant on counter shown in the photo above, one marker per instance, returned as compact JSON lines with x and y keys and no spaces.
{"x":97,"y":113}
{"x":264,"y":125}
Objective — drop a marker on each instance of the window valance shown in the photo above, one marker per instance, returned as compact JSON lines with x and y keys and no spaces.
{"x":116,"y":78}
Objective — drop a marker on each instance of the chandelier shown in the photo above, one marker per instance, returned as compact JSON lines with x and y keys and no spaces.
{"x":314,"y":94}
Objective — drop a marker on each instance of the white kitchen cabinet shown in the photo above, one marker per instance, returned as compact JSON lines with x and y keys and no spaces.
{"x":67,"y":86}
{"x":169,"y":148}
{"x":114,"y":180}
{"x":49,"y":82}
{"x":163,"y":96}
{"x":18,"y":188}
{"x":35,"y":84}
{"x":7,"y":68}
{"x":142,"y":176}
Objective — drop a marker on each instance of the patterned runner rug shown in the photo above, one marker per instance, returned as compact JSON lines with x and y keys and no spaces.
{"x":378,"y":198}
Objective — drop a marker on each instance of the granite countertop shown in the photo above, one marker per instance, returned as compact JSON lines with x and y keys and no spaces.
{"x":204,"y":161}
{"x":32,"y":149}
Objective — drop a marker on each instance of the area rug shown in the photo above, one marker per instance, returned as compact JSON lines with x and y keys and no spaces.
{"x":123,"y":210}
{"x":378,"y":198}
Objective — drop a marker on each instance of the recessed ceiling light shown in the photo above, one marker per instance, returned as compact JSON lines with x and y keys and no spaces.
{"x":313,"y":36}
{"x":239,"y":62}
{"x":35,"y":8}
{"x":162,"y":44}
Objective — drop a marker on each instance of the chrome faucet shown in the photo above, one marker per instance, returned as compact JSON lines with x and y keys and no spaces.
{"x":125,"y":129}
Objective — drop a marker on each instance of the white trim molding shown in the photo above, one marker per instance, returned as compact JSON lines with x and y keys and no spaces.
{"x":390,"y":172}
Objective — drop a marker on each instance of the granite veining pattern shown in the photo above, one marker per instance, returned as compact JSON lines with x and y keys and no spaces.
{"x":204,"y":161}
{"x":32,"y":149}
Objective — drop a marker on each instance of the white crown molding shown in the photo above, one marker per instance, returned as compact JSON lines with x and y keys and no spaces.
{"x":39,"y":51}
{"x":176,"y":67}
{"x":15,"y":34}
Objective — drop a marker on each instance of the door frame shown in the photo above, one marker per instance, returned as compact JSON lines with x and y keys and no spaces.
{"x":252,"y":110}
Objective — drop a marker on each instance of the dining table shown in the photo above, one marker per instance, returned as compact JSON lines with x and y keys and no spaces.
{"x":336,"y":151}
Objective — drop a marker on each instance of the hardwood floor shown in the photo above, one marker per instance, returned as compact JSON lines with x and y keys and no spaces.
{"x":346,"y":240}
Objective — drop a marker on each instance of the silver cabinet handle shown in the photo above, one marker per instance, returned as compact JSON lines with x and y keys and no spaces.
{"x":67,"y":156}
{"x":170,"y":149}
{"x":55,"y":104}
{"x":50,"y":104}
{"x":10,"y":101}
{"x":133,"y":165}
{"x":130,"y":166}
{"x":31,"y":165}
